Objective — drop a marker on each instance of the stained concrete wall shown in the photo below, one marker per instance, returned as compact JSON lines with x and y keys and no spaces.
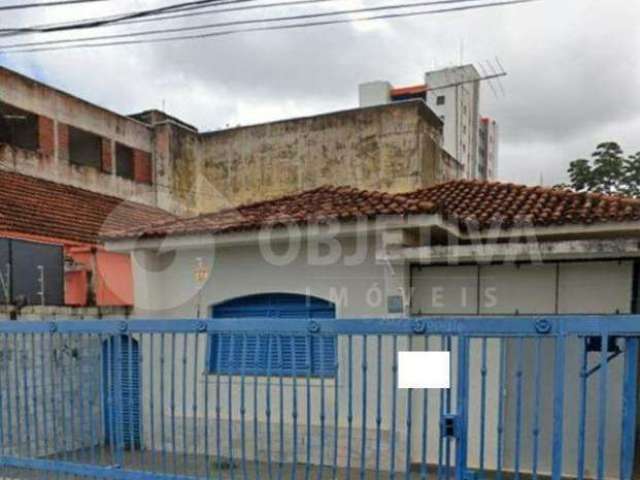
{"x":58,"y":110}
{"x":394,"y":148}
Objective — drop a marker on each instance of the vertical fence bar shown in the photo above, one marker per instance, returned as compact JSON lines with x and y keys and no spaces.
{"x":16,"y":385}
{"x":462,"y":407}
{"x":349,"y":403}
{"x":558,"y":407}
{"x":25,"y":388}
{"x":140,"y":398}
{"x":243,"y":410}
{"x":294,"y":406}
{"x":173,"y":405}
{"x":483,"y":404}
{"x":536,"y":409}
{"x":441,"y":406}
{"x":218,"y":340}
{"x":519,"y":374}
{"x":163,"y":442}
{"x":307,"y":467}
{"x":3,"y":392}
{"x":256,"y":438}
{"x":394,"y":390}
{"x":447,"y":396}
{"x":194,"y":404}
{"x":119,"y":413}
{"x":207,"y":359}
{"x":102,"y":398}
{"x":10,"y":416}
{"x":602,"y":405}
{"x":34,"y":395}
{"x":363,"y":440}
{"x":184,"y":399}
{"x":425,"y":426}
{"x":336,"y":406}
{"x":230,"y":404}
{"x":322,"y":406}
{"x":152,"y":394}
{"x":378,"y":403}
{"x":629,"y":408}
{"x":131,"y":388}
{"x":582,"y":411}
{"x":408,"y":424}
{"x":281,"y":405}
{"x":501,"y":394}
{"x":93,"y":414}
{"x":78,"y":352}
{"x":270,"y":339}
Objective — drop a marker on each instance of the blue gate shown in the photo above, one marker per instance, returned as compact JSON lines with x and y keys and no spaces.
{"x":531,"y":397}
{"x":121,"y":391}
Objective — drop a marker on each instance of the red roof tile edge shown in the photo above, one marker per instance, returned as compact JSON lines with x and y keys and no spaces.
{"x":467,"y":204}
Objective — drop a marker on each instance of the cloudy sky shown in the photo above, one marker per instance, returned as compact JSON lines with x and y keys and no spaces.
{"x":573,"y":65}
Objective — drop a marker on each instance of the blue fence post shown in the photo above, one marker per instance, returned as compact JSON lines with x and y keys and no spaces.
{"x":629,"y":408}
{"x":462,"y":407}
{"x":558,"y":407}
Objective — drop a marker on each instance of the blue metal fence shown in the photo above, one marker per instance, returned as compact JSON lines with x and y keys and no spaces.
{"x":531,"y":396}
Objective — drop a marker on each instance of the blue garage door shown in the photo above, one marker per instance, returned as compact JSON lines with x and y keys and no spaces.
{"x":121,"y":390}
{"x":289,"y":355}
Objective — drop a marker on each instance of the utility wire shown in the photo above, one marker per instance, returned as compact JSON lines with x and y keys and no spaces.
{"x":234,"y":23}
{"x":23,"y":6}
{"x":98,"y":22}
{"x":386,"y":16}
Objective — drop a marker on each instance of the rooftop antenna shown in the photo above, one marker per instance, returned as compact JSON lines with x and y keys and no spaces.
{"x":164,"y":105}
{"x":485,"y":74}
{"x":500,"y":69}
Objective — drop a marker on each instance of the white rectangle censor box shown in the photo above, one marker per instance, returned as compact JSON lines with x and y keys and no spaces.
{"x":424,"y":370}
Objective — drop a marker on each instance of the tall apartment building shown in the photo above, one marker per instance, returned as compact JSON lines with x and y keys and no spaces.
{"x":488,"y":148}
{"x":453,"y":94}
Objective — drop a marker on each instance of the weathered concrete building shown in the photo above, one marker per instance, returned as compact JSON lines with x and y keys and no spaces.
{"x":159,"y":160}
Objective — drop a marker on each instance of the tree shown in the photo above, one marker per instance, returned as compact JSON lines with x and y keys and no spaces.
{"x":608,"y":171}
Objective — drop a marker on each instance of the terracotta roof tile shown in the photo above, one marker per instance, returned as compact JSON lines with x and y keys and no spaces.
{"x":461,"y":202}
{"x":39,"y":207}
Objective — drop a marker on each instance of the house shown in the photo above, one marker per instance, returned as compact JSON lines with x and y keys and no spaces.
{"x":457,"y":248}
{"x":50,"y":252}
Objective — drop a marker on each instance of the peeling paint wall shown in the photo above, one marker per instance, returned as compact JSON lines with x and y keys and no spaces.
{"x":394,"y":148}
{"x":57,"y":111}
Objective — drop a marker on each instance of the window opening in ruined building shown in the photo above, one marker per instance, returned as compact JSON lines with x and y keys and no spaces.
{"x":124,"y":162}
{"x":85,"y":148}
{"x":440,"y":100}
{"x":18,"y":127}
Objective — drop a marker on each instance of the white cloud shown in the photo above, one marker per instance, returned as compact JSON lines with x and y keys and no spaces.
{"x":573,"y":71}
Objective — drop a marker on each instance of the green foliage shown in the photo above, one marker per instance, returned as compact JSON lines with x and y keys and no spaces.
{"x":608,"y":171}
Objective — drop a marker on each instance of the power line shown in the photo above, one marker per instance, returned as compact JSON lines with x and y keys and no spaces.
{"x":233,"y":23}
{"x":386,"y":16}
{"x":46,"y":4}
{"x":100,"y":21}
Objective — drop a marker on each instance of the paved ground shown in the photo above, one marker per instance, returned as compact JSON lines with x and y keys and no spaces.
{"x":196,"y":466}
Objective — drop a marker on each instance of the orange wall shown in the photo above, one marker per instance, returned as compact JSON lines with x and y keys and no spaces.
{"x":110,"y":272}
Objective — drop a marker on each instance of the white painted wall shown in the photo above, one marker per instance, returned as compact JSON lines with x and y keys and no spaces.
{"x":166,"y":288}
{"x":564,"y":288}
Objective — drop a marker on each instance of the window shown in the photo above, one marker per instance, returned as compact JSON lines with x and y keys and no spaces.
{"x":18,"y":127}
{"x":85,"y":148}
{"x":124,"y":162}
{"x":273,"y":354}
{"x":440,"y":100}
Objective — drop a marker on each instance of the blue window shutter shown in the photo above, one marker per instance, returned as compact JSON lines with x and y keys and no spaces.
{"x":275,"y":354}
